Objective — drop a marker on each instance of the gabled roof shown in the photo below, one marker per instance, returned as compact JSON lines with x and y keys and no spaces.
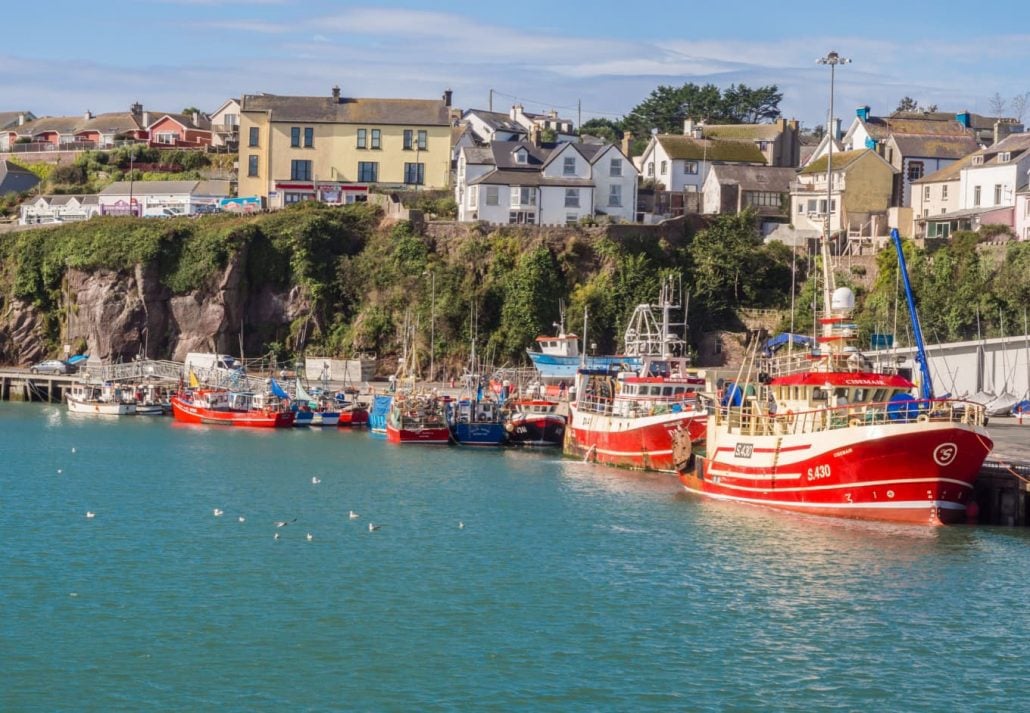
{"x":1015,"y":144}
{"x":745,"y":132}
{"x":929,"y":146}
{"x":346,"y":110}
{"x":684,"y":147}
{"x":224,"y":104}
{"x":479,"y":155}
{"x":60,"y":124}
{"x":841,"y":161}
{"x":116,"y":122}
{"x":497,"y":121}
{"x":10,"y":118}
{"x":504,"y":154}
{"x":774,"y":179}
{"x":951,"y":172}
{"x":203,"y":123}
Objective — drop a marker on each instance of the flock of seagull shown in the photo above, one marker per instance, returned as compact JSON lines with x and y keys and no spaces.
{"x":279,"y":524}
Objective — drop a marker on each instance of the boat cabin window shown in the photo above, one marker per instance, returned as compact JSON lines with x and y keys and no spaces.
{"x":819,"y":394}
{"x":680,"y":390}
{"x":667,"y":391}
{"x":861,"y":395}
{"x":879,"y":395}
{"x":840,"y":397}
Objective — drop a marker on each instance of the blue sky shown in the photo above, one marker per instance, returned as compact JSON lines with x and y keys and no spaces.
{"x":607,"y":55}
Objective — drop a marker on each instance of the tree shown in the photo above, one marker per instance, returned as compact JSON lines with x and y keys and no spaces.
{"x":667,"y":107}
{"x":909,"y":104}
{"x":605,"y":129}
{"x":996,"y":104}
{"x":190,"y":111}
{"x":1019,"y":105}
{"x":752,"y":106}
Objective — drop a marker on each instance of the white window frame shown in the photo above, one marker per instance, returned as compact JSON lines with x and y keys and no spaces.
{"x":493,"y":196}
{"x":615,"y":195}
{"x":473,"y":196}
{"x":568,"y":166}
{"x":690,"y":168}
{"x":615,"y":168}
{"x":572,"y":198}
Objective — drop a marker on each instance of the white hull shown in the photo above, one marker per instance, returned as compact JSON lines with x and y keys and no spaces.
{"x":101,"y":408}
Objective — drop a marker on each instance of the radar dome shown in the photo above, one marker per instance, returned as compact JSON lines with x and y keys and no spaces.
{"x":843,"y":300}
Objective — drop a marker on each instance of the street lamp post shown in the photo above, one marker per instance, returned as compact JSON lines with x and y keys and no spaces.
{"x":132,"y":157}
{"x":432,"y":323}
{"x":832,"y":59}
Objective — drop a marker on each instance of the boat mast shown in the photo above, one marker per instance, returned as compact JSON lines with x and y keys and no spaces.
{"x":925,"y":383}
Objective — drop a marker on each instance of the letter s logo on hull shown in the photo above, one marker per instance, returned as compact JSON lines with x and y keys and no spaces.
{"x":944,"y":454}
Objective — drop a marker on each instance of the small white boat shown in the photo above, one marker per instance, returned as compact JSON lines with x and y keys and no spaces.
{"x":100,"y":400}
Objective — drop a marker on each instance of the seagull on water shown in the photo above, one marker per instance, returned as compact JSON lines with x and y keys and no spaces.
{"x":73,"y":449}
{"x":90,"y":514}
{"x":241,"y":518}
{"x":276,"y":537}
{"x":461,"y":525}
{"x":373,"y":528}
{"x":59,"y":471}
{"x":284,"y":523}
{"x":354,"y":515}
{"x":315,"y":480}
{"x":310,"y":537}
{"x":217,"y":512}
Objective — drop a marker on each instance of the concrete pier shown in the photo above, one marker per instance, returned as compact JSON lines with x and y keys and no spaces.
{"x":23,"y":385}
{"x":1003,"y":488}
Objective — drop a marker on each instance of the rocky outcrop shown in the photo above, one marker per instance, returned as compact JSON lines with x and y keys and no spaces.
{"x":122,"y":314}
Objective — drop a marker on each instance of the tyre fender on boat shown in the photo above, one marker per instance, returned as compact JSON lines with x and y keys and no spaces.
{"x":922,"y":418}
{"x":854,"y":422}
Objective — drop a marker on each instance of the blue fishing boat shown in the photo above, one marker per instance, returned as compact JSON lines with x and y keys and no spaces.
{"x":380,"y":410}
{"x":477,"y":422}
{"x":558,"y":357}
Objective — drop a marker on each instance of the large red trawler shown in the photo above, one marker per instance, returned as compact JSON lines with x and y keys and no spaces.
{"x":829,"y":435}
{"x":628,"y":418}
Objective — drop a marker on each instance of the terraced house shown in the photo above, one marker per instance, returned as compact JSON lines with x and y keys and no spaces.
{"x":334,"y":148}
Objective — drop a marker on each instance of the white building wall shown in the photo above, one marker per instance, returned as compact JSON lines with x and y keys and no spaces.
{"x":496,"y":214}
{"x":555,"y":167}
{"x":1023,"y":216}
{"x":603,"y":180}
{"x":552,"y":208}
{"x":711,"y":199}
{"x":987,"y":177}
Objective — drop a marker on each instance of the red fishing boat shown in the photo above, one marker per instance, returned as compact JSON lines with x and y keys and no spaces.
{"x":353,"y":415}
{"x":839,"y":437}
{"x":417,"y":419}
{"x":628,"y":418}
{"x":534,"y":422}
{"x":231,"y":408}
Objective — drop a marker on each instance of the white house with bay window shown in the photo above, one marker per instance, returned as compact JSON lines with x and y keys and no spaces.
{"x":520,"y":182}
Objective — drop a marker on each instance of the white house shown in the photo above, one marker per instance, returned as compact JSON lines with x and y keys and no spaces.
{"x":58,"y":209}
{"x":162,"y":198}
{"x":225,"y":123}
{"x":1022,"y":228}
{"x":490,"y":126}
{"x":681,"y":163}
{"x":520,"y":182}
{"x":989,"y":184}
{"x":562,"y":128}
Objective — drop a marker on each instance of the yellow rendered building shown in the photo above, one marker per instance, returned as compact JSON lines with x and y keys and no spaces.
{"x":333,"y":148}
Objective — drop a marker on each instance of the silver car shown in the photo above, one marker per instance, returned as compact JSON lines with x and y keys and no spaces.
{"x":52,"y":366}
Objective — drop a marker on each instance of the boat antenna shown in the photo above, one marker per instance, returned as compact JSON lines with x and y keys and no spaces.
{"x":925,"y":382}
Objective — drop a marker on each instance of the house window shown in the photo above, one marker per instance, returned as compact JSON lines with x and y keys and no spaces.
{"x":569,"y":166}
{"x":167,"y":137}
{"x":978,"y":160}
{"x":762,"y":199}
{"x":944,"y":192}
{"x":801,"y":206}
{"x":423,"y":140}
{"x":230,"y":120}
{"x":1004,"y":157}
{"x":926,"y":193}
{"x":377,"y":138}
{"x":650,"y":169}
{"x":408,"y":139}
{"x":368,"y":171}
{"x":291,"y":198}
{"x":415,"y":173}
{"x":252,"y":165}
{"x":295,"y":137}
{"x":493,"y":195}
{"x":522,"y":196}
{"x":522,"y":216}
{"x":665,"y":167}
{"x":615,"y":168}
{"x":615,"y":196}
{"x":572,"y":198}
{"x":300,"y":170}
{"x":571,"y":219}
{"x":473,"y":196}
{"x":254,"y":133}
{"x":915,"y":170}
{"x":309,"y":137}
{"x":976,"y":195}
{"x":521,"y":156}
{"x":997,"y":194}
{"x":362,"y":138}
{"x":926,"y":212}
{"x":690,"y":168}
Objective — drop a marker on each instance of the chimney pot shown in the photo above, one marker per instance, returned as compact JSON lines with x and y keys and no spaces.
{"x":447,"y":94}
{"x":87,"y":115}
{"x":336,"y":92}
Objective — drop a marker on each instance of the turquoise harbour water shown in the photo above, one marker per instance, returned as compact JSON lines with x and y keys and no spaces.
{"x":572,"y":587}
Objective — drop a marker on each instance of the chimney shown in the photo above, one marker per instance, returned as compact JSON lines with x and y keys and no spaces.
{"x":627,"y":141}
{"x":862,"y":113}
{"x":196,"y":118}
{"x":793,"y":124}
{"x":688,"y":127}
{"x":781,"y":124}
{"x":516,"y":109}
{"x":447,"y":94}
{"x":87,"y":115}
{"x":534,"y":135}
{"x":553,"y":113}
{"x":336,"y":93}
{"x":964,"y":118}
{"x":21,"y":120}
{"x":145,"y":120}
{"x":136,"y":109}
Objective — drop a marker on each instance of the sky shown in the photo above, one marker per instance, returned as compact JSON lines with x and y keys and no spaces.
{"x":601,"y":57}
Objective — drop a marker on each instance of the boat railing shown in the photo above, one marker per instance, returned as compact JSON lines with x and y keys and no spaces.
{"x":754,"y":418}
{"x":590,"y":403}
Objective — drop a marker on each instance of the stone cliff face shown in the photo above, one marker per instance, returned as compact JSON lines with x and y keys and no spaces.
{"x":120,"y":315}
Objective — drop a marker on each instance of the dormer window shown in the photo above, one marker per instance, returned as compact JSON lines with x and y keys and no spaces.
{"x":521,"y":156}
{"x":1004,"y":157}
{"x":978,"y":160}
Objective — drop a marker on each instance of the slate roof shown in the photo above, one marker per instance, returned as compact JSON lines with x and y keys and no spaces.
{"x":774,"y":179}
{"x":528,"y":178}
{"x":922,"y":145}
{"x":15,"y":179}
{"x":1015,"y":144}
{"x":498,"y":121}
{"x":504,"y":154}
{"x":149,"y":188}
{"x":684,"y":147}
{"x":347,"y":110}
{"x":9,"y":119}
{"x":60,"y":124}
{"x":840,"y":161}
{"x":117,"y":122}
{"x":82,"y":198}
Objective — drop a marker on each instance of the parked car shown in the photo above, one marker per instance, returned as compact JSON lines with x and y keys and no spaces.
{"x":53,"y":366}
